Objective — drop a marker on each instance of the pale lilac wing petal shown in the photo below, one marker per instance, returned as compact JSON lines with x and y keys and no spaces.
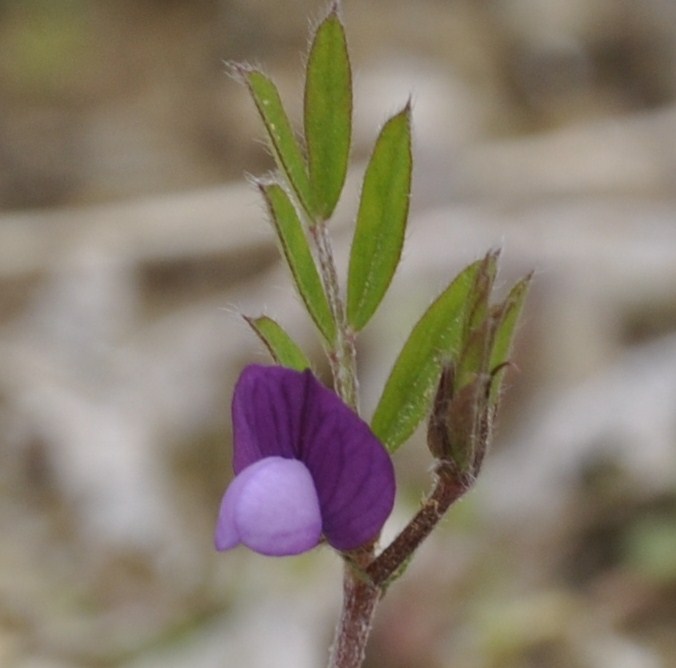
{"x":272,"y":508}
{"x":227,"y":534}
{"x":267,"y":412}
{"x":353,"y":472}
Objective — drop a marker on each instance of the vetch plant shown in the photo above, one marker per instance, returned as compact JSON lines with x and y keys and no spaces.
{"x":308,"y":468}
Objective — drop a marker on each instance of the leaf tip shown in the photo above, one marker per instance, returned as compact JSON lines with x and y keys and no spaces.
{"x":262,"y":183}
{"x":494,"y":254}
{"x":238,"y":71}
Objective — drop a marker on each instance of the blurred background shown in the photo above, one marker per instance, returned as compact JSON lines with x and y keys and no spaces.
{"x":130,"y":242}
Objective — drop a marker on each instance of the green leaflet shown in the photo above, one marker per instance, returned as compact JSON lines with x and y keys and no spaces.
{"x":299,"y":257}
{"x":510,"y":311}
{"x":479,"y":302}
{"x":328,"y":113}
{"x":436,"y":337}
{"x":381,"y":220}
{"x":480,"y":324}
{"x":285,"y":147}
{"x":284,"y":350}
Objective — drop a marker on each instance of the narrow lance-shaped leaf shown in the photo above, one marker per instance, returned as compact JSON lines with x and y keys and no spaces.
{"x":284,"y":350}
{"x":436,"y":337}
{"x":381,"y":220}
{"x":299,"y":257}
{"x":480,"y":325}
{"x":285,"y":147}
{"x":504,"y":335}
{"x":474,"y":358}
{"x":470,"y":420}
{"x":328,"y":113}
{"x":479,"y":300}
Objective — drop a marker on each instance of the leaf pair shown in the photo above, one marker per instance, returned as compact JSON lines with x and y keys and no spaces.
{"x":316,"y":180}
{"x":313,"y":175}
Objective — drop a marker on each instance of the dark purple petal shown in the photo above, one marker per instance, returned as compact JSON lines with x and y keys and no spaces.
{"x":272,"y":508}
{"x":285,"y":413}
{"x":267,"y":412}
{"x":353,"y":472}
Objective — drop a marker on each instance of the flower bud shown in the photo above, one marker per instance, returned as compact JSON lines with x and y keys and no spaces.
{"x":459,"y":428}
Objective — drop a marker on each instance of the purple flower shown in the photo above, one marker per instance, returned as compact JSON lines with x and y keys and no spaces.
{"x":306,"y":466}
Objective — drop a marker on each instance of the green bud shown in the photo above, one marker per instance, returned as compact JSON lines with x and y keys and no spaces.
{"x":460,"y":426}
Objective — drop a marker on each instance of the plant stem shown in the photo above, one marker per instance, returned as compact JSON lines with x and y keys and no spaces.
{"x":360,"y":596}
{"x":342,"y":356}
{"x":367,"y":577}
{"x":360,"y":599}
{"x":448,"y":488}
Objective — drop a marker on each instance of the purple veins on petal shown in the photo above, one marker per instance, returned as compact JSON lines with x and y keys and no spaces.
{"x":278,"y":412}
{"x":272,"y":508}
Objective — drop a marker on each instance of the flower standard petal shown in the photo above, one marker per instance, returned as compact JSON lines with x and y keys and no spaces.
{"x":267,"y":411}
{"x":272,"y":508}
{"x":284,"y":413}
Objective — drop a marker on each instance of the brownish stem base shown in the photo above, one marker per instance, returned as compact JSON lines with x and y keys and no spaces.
{"x":360,"y":599}
{"x":366,"y":578}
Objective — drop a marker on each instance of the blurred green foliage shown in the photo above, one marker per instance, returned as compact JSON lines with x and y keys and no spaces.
{"x":44,"y":45}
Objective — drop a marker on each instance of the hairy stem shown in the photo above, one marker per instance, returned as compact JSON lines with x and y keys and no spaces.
{"x":447,"y":489}
{"x":342,"y":356}
{"x":360,"y":598}
{"x":367,"y":577}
